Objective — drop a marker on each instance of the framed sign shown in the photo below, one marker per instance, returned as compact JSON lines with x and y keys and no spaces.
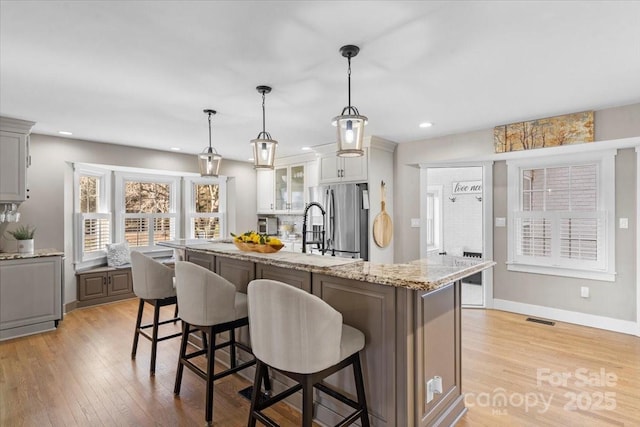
{"x":467,"y":187}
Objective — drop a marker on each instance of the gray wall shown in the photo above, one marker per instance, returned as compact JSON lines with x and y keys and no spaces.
{"x":50,"y":205}
{"x":611,"y":299}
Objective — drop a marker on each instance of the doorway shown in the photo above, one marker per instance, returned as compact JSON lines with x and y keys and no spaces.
{"x":456,"y":218}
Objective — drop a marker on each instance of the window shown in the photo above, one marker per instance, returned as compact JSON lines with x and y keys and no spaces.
{"x":146,"y":209}
{"x":93,"y":213}
{"x":205,"y":207}
{"x":561,"y":215}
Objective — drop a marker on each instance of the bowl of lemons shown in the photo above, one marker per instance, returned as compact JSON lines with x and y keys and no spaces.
{"x":251,"y":241}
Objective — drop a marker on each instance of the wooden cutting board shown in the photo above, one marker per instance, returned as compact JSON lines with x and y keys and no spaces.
{"x":382,"y":224}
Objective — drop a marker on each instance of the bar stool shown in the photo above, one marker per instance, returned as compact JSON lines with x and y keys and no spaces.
{"x":303,"y":338}
{"x":209,"y":303}
{"x":153,"y":284}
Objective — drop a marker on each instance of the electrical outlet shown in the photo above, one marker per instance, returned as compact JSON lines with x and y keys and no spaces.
{"x":584,"y":292}
{"x":430,"y":390}
{"x":624,"y":222}
{"x":501,"y":222}
{"x":434,"y":386}
{"x":415,"y":222}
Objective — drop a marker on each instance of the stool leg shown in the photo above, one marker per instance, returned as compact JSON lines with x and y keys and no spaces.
{"x":307,"y":401}
{"x":210,"y":364}
{"x":154,"y":338}
{"x":362,"y":400}
{"x":136,"y":335}
{"x":267,"y":380}
{"x":175,"y":314}
{"x":204,"y":340}
{"x":257,"y":385}
{"x":232,"y":347}
{"x":183,"y":353}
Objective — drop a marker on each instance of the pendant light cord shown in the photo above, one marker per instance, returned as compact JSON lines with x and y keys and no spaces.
{"x":210,"y":148}
{"x":349,"y":79}
{"x":263,"y":115}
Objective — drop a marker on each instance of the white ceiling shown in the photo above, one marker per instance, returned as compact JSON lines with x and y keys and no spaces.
{"x":140,"y":73}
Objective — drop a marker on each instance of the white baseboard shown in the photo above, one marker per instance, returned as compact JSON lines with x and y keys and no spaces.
{"x":591,"y":320}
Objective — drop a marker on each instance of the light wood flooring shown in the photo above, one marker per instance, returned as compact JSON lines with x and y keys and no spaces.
{"x":82,"y":375}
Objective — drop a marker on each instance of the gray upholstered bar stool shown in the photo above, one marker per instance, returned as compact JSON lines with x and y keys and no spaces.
{"x":209,"y":303}
{"x":153,"y":284}
{"x":303,"y":338}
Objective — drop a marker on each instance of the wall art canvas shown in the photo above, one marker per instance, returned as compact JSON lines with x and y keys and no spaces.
{"x":568,"y":129}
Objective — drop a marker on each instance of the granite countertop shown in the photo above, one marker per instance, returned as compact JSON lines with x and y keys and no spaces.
{"x":293,"y":260}
{"x":37,"y":254}
{"x":427,"y":274}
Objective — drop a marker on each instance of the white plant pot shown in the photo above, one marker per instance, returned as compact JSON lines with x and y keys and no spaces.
{"x":25,"y":246}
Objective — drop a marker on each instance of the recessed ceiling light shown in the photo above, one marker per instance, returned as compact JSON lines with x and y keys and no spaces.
{"x":306,"y":148}
{"x":175,"y":148}
{"x":64,"y":132}
{"x":251,"y":159}
{"x":426,"y":125}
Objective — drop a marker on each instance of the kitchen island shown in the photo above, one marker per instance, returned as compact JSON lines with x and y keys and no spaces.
{"x":409,"y":313}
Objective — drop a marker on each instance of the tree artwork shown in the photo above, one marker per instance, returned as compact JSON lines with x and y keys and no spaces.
{"x":568,"y":129}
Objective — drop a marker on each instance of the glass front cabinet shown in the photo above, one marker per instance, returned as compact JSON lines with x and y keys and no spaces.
{"x":289,"y":189}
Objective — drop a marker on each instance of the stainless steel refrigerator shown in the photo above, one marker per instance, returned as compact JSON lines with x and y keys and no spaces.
{"x":346,"y":222}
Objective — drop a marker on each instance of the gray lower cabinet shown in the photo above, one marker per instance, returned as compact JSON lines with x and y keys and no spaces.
{"x":104,"y":284}
{"x":238,"y":272}
{"x":371,"y":309}
{"x":297,"y":278}
{"x":439,"y":313}
{"x":204,"y":260}
{"x":30,"y":295}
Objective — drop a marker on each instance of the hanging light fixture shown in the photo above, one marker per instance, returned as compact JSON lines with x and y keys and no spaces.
{"x":350,"y":123}
{"x":264,"y":148}
{"x":209,"y":160}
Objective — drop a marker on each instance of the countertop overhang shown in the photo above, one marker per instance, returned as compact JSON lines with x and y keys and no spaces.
{"x":425,"y":274}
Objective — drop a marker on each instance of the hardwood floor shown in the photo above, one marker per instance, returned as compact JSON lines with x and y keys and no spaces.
{"x":562,"y":375}
{"x":82,"y":375}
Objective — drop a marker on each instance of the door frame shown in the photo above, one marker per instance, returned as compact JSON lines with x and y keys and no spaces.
{"x":638,"y":241}
{"x":487,"y":215}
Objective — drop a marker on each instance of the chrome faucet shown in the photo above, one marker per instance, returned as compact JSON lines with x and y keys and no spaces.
{"x":304,"y":228}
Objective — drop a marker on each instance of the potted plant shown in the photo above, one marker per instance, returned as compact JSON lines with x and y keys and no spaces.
{"x":24,"y":235}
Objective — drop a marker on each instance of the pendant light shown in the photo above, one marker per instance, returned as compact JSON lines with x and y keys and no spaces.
{"x":350,"y":124}
{"x":209,"y":160}
{"x":264,"y":148}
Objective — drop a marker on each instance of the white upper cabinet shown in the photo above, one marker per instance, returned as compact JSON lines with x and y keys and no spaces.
{"x":342,"y":169}
{"x":14,"y":159}
{"x":265,"y":191}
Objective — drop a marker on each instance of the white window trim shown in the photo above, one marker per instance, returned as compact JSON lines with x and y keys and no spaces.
{"x":189,"y":200}
{"x":104,"y":211}
{"x":606,"y":204}
{"x":174,"y":203}
{"x":438,"y":230}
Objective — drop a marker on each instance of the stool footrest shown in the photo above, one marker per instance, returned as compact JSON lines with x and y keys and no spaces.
{"x":278,"y":397}
{"x":341,"y":397}
{"x":150,"y":338}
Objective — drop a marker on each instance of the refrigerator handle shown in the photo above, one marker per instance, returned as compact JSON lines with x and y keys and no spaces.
{"x":332,"y":219}
{"x":327,"y":225}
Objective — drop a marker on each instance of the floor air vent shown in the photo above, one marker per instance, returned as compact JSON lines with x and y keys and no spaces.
{"x":544,"y":322}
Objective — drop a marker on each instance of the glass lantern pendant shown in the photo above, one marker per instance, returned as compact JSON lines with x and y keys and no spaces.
{"x":209,"y":160}
{"x":350,"y":124}
{"x":264,"y":148}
